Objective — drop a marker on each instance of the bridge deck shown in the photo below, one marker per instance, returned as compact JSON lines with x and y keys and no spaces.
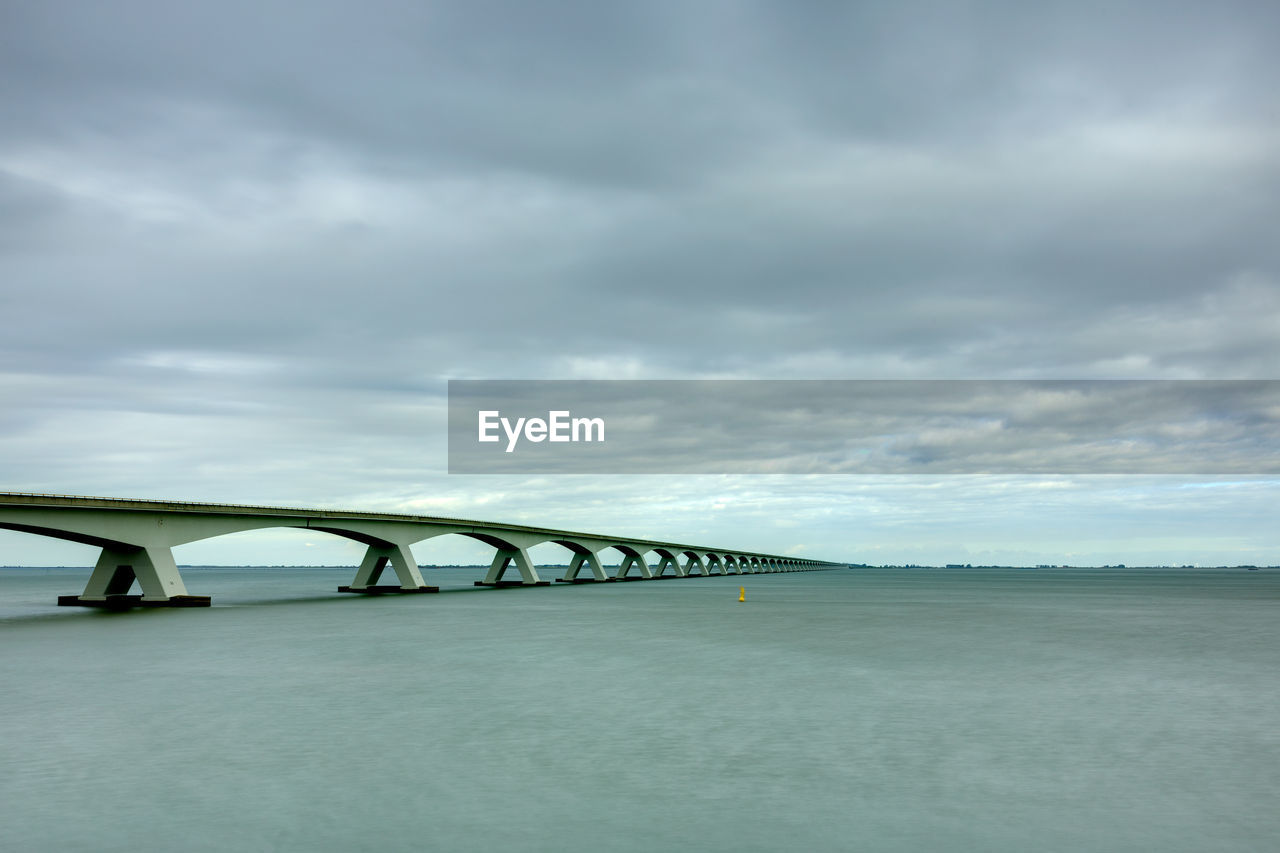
{"x":137,"y":537}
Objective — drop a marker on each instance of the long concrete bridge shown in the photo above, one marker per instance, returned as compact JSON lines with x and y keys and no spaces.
{"x":137,"y":538}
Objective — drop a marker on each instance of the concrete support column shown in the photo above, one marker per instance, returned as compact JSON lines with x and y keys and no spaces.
{"x":153,"y":568}
{"x":504,"y":558}
{"x":695,"y":565}
{"x":668,"y":561}
{"x":376,"y":559}
{"x":591,"y":559}
{"x":637,"y":561}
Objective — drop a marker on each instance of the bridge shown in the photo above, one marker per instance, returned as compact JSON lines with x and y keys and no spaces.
{"x":137,"y":538}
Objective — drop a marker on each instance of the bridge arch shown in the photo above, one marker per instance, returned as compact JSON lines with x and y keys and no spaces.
{"x":668,"y":558}
{"x":633,"y":557}
{"x":583,"y":556}
{"x":694,"y":565}
{"x":65,"y":535}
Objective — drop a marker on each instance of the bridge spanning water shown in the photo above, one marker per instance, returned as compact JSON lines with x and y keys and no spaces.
{"x":137,"y":538}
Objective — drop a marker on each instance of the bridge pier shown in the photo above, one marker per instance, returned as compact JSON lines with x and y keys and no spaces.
{"x":668,"y":561}
{"x":504,"y":558}
{"x":116,"y":570}
{"x":590,"y":559}
{"x":636,"y":560}
{"x":695,"y":566}
{"x":376,"y":559}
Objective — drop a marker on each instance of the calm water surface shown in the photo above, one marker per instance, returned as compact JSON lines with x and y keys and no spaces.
{"x":868,"y":709}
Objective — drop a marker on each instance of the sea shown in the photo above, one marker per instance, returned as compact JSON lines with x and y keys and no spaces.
{"x":852,"y":709}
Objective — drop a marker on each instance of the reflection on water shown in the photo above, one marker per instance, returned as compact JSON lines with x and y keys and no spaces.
{"x":871,"y":709}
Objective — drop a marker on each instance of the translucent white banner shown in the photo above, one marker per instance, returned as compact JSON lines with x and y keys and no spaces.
{"x":864,"y":426}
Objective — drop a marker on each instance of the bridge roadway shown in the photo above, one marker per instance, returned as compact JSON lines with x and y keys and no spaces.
{"x":137,"y":538}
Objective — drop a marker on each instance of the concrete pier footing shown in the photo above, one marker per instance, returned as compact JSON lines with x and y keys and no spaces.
{"x":387,"y":590}
{"x":124,"y":602}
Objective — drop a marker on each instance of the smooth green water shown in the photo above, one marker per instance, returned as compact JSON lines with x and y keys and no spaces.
{"x":867,"y":709}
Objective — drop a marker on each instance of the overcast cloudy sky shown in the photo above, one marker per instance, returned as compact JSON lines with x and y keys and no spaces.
{"x":243,"y":245}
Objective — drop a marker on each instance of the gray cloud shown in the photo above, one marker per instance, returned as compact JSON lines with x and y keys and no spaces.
{"x":223,"y":226}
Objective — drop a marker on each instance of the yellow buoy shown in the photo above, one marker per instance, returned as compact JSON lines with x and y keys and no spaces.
{"x":742,"y":593}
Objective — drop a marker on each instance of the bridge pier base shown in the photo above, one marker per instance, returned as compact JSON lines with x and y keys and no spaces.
{"x":125,"y":602}
{"x":387,"y":590}
{"x":116,"y":570}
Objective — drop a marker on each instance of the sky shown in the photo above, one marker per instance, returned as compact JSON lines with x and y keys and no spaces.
{"x":244,"y":246}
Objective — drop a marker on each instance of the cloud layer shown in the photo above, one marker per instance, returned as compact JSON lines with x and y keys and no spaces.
{"x":243,"y":247}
